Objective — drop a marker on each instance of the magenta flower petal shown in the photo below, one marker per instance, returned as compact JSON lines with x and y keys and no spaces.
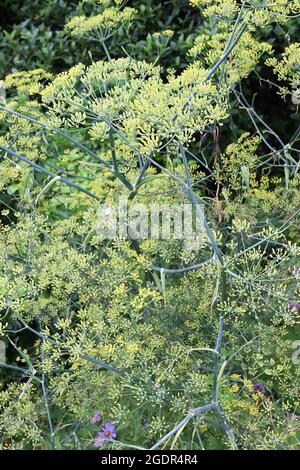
{"x":96,"y":418}
{"x":108,"y":430}
{"x":259,"y":388}
{"x":99,"y":441}
{"x":294,"y":307}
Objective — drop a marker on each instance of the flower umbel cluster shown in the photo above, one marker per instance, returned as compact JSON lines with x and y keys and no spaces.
{"x":101,"y":26}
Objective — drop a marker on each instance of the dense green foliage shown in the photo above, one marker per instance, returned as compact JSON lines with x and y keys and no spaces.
{"x":158,"y":102}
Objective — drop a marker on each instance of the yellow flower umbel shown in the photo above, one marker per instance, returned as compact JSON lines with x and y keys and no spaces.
{"x":30,"y":82}
{"x":254,"y":12}
{"x":149,"y":111}
{"x":288,"y":69}
{"x":101,"y":26}
{"x":240,"y":63}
